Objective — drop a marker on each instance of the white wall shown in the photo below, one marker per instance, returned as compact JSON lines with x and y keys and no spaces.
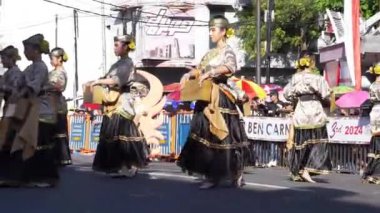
{"x":23,"y":18}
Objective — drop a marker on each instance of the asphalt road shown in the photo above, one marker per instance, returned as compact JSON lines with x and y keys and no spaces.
{"x":162,"y":187}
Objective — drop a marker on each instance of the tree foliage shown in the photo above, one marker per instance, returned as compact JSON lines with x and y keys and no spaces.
{"x":297,"y":23}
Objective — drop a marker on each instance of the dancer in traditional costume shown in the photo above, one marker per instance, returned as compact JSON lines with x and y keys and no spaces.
{"x":122,"y":148}
{"x":33,"y":162}
{"x":308,"y":150}
{"x":372,"y":171}
{"x":217,"y":145}
{"x":56,"y":86}
{"x":10,"y":86}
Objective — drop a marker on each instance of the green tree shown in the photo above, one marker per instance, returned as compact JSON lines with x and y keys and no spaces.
{"x":296,"y":26}
{"x":368,"y":7}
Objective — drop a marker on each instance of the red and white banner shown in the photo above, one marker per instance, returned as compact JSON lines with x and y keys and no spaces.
{"x":352,"y":40}
{"x":350,"y":130}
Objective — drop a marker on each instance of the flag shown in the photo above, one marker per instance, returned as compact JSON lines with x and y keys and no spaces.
{"x":352,"y":40}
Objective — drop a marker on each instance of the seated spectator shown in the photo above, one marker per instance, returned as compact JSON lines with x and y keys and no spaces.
{"x":258,"y":107}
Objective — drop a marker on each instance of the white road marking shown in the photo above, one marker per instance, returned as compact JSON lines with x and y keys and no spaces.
{"x":252,"y":184}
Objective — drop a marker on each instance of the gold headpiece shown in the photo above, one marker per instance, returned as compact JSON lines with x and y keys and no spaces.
{"x":303,"y":62}
{"x":219,"y":22}
{"x":60,"y":53}
{"x":222,"y":23}
{"x":375,"y":69}
{"x":127,"y":39}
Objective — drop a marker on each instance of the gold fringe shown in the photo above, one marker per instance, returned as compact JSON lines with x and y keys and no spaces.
{"x":228,"y":111}
{"x":309,"y":142}
{"x":217,"y":146}
{"x":373,"y":155}
{"x":317,"y":171}
{"x":128,"y":139}
{"x":45,"y":147}
{"x":60,"y":136}
{"x":66,"y":161}
{"x":296,"y":178}
{"x":373,"y":180}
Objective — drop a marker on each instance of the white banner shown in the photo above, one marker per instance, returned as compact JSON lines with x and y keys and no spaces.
{"x":351,"y":130}
{"x":267,"y":129}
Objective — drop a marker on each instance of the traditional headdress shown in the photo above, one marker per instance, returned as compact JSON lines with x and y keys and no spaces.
{"x":38,"y":41}
{"x":306,"y":60}
{"x":59,"y":52}
{"x":375,"y":69}
{"x":11,"y":52}
{"x":127,"y":39}
{"x":222,"y":22}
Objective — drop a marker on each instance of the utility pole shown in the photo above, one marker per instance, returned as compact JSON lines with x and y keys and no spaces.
{"x":268,"y":39}
{"x":76,"y":58}
{"x":104,"y":44}
{"x":258,"y":40}
{"x":56,"y":30}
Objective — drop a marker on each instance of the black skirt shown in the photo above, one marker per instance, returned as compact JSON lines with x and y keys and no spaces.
{"x":120,"y":144}
{"x":41,"y":167}
{"x":372,"y":171}
{"x":5,"y":156}
{"x":310,"y":152}
{"x":62,"y":150}
{"x":100,"y":160}
{"x":206,"y":154}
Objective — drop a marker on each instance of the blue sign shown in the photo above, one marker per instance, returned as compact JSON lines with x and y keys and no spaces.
{"x":77,"y":132}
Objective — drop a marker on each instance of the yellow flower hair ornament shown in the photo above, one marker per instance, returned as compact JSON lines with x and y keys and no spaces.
{"x":375,"y":69}
{"x":230,"y":32}
{"x":304,"y":62}
{"x":65,"y":57}
{"x":132,"y":45}
{"x":371,"y":70}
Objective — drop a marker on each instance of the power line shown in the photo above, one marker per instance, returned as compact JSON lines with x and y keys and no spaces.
{"x":115,"y":17}
{"x":151,"y":13}
{"x":122,"y":18}
{"x":78,"y":9}
{"x":33,"y":25}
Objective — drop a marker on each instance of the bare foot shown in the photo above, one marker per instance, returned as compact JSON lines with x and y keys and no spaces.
{"x":207,"y":185}
{"x":239,"y":182}
{"x":306,"y":176}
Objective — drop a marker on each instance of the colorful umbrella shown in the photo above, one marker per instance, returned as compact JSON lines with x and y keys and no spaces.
{"x":250,"y":88}
{"x":353,"y":99}
{"x":339,"y":90}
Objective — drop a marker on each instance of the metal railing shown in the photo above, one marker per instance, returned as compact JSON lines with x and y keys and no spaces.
{"x":84,"y":136}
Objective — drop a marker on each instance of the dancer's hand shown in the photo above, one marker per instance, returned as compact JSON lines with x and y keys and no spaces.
{"x":94,"y":83}
{"x":184,"y":78}
{"x":191,"y":69}
{"x":204,"y":77}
